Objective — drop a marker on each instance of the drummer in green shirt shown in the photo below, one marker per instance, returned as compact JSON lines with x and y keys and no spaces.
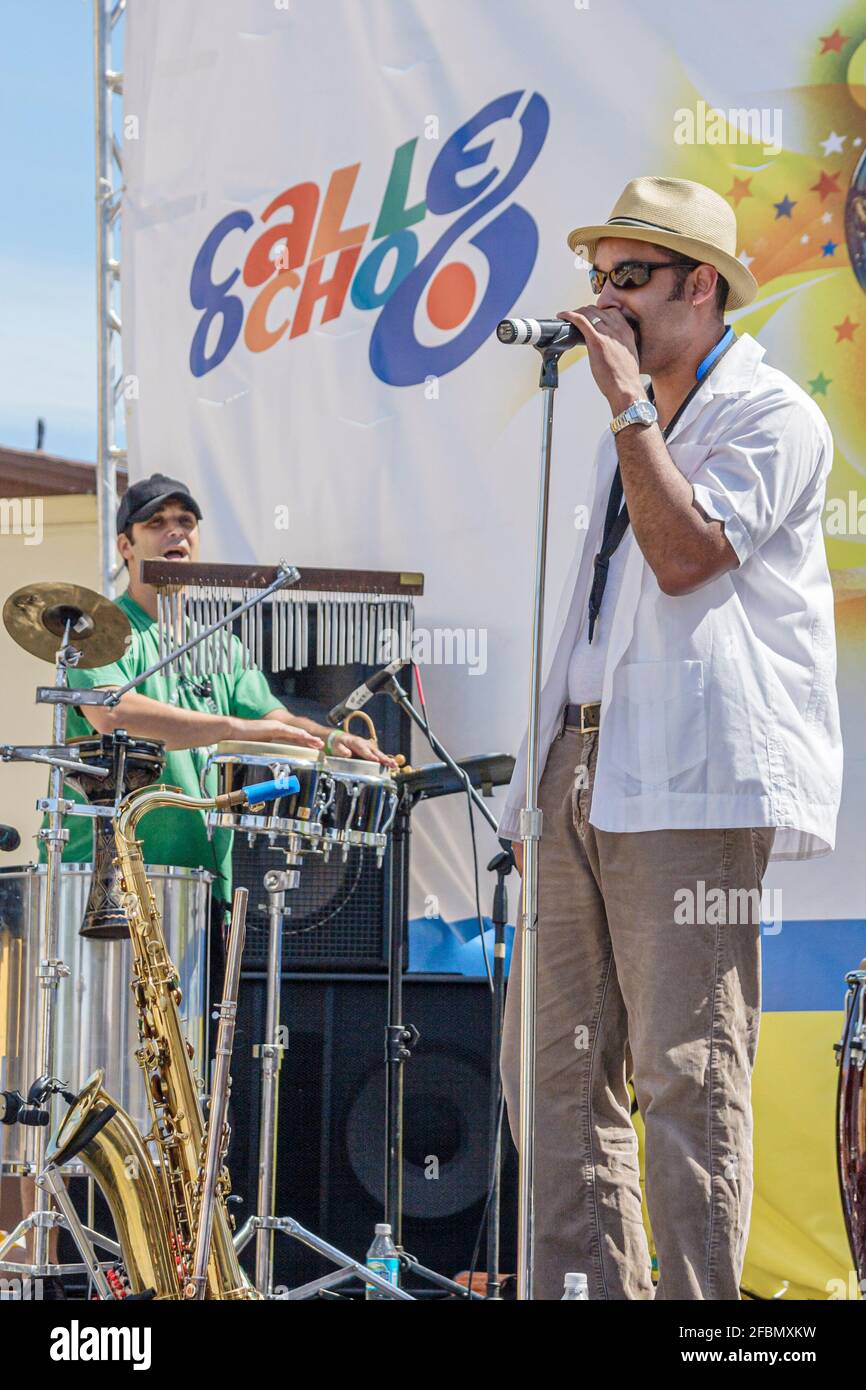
{"x":158,"y":518}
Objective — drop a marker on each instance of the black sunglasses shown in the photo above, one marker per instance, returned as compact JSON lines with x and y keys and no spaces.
{"x":630,"y":275}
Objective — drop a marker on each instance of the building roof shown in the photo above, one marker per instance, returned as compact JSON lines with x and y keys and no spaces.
{"x":33,"y":473}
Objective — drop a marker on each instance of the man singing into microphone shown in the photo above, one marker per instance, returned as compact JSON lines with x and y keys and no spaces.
{"x":689,"y":732}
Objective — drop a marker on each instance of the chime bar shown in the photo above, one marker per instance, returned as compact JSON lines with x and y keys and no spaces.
{"x":328,"y":618}
{"x":165,"y":573}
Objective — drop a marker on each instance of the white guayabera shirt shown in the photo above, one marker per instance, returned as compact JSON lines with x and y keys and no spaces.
{"x":719,"y":707}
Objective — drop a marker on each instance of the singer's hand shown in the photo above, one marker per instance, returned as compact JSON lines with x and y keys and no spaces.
{"x":353,"y":746}
{"x":612,"y":352}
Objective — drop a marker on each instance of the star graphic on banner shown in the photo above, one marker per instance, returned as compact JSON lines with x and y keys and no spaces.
{"x":784,"y":208}
{"x":845,"y":330}
{"x":820,"y":384}
{"x":740,"y":190}
{"x":804,"y":239}
{"x":745,"y":258}
{"x":833,"y":144}
{"x":829,"y":248}
{"x":833,"y":42}
{"x":828,"y":217}
{"x":826,"y":185}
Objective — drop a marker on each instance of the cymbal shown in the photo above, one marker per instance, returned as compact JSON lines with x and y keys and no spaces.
{"x":35,"y":618}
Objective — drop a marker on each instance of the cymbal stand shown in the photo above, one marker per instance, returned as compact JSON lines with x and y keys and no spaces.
{"x":286,"y":575}
{"x":43,"y":1219}
{"x":75,"y":622}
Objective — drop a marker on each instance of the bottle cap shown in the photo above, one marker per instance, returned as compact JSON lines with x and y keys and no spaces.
{"x":575,"y":1281}
{"x":383,"y":1228}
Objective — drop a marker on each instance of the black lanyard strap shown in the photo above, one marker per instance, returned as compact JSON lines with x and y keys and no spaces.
{"x":616,"y":520}
{"x":615,"y":527}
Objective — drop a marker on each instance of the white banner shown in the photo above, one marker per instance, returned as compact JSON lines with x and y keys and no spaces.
{"x":328,"y":208}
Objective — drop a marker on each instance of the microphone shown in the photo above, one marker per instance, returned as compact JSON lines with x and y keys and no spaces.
{"x":13,"y":1111}
{"x":9,"y":837}
{"x":366,"y":691}
{"x":539,"y":333}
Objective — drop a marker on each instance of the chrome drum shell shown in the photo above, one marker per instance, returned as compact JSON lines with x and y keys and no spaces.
{"x":96,"y":1023}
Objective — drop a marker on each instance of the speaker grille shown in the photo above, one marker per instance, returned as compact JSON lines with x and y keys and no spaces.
{"x":335,"y":917}
{"x":331,"y":1122}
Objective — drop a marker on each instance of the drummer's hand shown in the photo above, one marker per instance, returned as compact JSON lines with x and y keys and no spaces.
{"x":273,"y":731}
{"x":353,"y":746}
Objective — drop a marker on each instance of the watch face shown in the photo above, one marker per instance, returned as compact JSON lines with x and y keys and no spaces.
{"x":638,"y":413}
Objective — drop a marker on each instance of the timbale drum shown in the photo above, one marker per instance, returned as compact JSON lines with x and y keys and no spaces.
{"x":341,"y":802}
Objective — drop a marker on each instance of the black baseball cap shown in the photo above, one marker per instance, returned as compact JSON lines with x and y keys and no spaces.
{"x":144,"y":498}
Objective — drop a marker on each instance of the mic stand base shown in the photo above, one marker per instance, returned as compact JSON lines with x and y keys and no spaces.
{"x":400,"y":1037}
{"x":347,"y":1268}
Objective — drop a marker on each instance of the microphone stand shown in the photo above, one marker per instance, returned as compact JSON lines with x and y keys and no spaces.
{"x":402,"y":1037}
{"x":530,"y":834}
{"x":399,"y":696}
{"x":501,"y":865}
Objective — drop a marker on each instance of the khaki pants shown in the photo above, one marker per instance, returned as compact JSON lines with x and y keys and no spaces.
{"x":625,"y":991}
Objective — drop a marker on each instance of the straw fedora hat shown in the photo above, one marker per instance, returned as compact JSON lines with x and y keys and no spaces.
{"x":683,"y":216}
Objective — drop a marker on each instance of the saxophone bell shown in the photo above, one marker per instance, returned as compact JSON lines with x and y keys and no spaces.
{"x":100,"y":1132}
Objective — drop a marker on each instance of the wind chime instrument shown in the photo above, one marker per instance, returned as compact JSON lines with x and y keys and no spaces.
{"x":331,"y":617}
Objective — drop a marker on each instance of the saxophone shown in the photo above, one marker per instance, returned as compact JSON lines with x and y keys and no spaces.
{"x":155,"y":1207}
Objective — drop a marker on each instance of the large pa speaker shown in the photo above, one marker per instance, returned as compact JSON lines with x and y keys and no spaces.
{"x":331,"y":1128}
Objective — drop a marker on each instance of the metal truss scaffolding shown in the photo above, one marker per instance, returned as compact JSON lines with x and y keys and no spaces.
{"x":108,"y":91}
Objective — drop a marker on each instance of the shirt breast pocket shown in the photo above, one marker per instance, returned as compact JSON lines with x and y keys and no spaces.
{"x":656,"y":726}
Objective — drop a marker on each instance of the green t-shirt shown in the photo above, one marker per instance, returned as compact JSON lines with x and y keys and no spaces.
{"x":171,"y":836}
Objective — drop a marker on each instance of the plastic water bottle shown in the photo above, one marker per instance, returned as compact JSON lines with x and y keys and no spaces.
{"x":383,"y":1259}
{"x":575,"y":1287}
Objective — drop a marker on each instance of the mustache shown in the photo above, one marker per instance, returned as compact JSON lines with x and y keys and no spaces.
{"x":634,"y":325}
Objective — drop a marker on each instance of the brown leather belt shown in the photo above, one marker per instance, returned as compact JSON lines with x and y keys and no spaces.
{"x":585,"y":717}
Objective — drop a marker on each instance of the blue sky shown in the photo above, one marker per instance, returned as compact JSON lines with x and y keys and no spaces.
{"x":47,"y":275}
